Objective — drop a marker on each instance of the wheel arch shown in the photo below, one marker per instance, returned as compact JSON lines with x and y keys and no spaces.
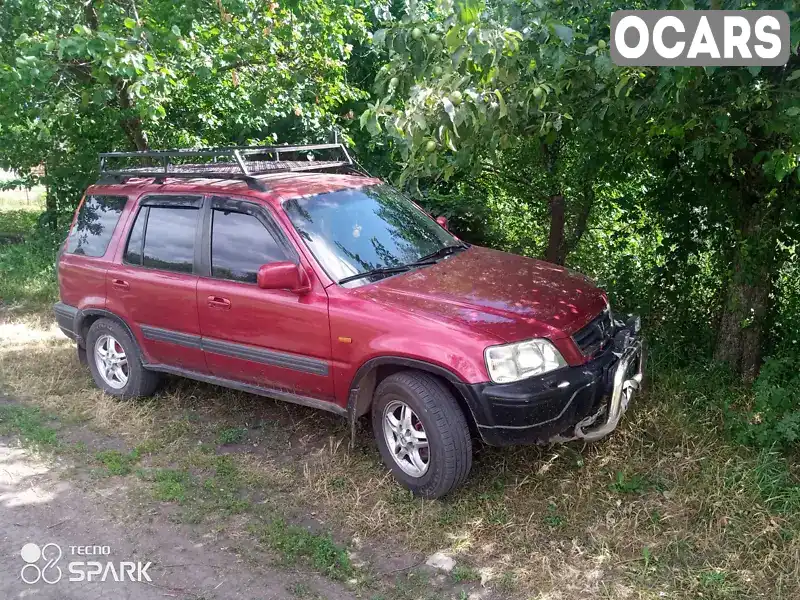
{"x":86,"y":317}
{"x":375,"y":370}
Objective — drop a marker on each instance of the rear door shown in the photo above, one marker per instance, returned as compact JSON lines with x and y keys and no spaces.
{"x":271,"y":338}
{"x":154,"y":286}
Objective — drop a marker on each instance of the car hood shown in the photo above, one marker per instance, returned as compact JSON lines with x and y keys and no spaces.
{"x":509,"y":296}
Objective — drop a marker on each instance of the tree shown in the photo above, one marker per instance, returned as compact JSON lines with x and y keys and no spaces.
{"x":520,"y":90}
{"x":80,"y":77}
{"x":469,"y":87}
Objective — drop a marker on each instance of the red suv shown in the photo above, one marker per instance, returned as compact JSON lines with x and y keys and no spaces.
{"x":305,"y":281}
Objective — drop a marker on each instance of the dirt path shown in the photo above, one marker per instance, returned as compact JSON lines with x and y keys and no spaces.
{"x":39,"y":505}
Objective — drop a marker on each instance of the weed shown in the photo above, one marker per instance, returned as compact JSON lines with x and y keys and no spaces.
{"x":171,"y":485}
{"x":116,"y":462}
{"x":294,"y":543}
{"x":552,"y":518}
{"x":629,"y":484}
{"x":231,"y":435}
{"x":29,"y":424}
{"x":461,"y":573}
{"x":717,"y":585}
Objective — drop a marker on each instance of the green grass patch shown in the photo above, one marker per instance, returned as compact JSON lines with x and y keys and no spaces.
{"x":464,"y":573}
{"x":625,"y":483}
{"x":30,"y":424}
{"x":171,"y":485}
{"x":294,"y":543}
{"x":231,"y":435}
{"x":116,"y":462}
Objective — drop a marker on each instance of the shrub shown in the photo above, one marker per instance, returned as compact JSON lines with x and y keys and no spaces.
{"x":775,"y":416}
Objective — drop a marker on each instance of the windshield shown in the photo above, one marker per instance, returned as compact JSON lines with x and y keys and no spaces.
{"x":357,"y":230}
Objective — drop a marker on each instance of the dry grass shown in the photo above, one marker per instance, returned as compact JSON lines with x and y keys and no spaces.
{"x":22,"y":199}
{"x":662,"y":509}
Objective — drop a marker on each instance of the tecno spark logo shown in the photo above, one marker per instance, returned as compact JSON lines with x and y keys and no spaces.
{"x":49,"y":573}
{"x":41,"y":564}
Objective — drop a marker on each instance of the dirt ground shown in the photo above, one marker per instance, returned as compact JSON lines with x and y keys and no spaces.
{"x":40,"y":505}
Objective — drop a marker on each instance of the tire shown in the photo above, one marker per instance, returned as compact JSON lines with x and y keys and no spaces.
{"x":436,"y":416}
{"x":137,"y":381}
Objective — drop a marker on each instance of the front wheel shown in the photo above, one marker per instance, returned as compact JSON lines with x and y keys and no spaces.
{"x":422,"y":434}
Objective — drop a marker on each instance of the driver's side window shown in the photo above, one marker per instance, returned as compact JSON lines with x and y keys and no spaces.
{"x":240,"y":244}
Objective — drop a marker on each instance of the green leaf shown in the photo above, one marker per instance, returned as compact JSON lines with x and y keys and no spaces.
{"x":468,"y":10}
{"x":591,"y":50}
{"x":379,"y":37}
{"x":129,"y":23}
{"x":176,"y":31}
{"x":449,"y":109}
{"x":794,"y":75}
{"x":793,"y":111}
{"x":502,"y":103}
{"x":622,"y":82}
{"x":564,"y":33}
{"x":754,"y":70}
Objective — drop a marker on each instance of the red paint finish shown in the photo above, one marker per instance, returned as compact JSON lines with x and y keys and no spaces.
{"x":445,"y":314}
{"x":272,"y":320}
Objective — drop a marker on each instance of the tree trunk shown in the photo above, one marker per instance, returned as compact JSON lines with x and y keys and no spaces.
{"x":50,"y":202}
{"x":131,"y":124}
{"x":555,"y":241}
{"x":741,"y":330}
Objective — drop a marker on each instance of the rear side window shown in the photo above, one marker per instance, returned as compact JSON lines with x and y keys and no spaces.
{"x":163,"y":238}
{"x":97,"y":219}
{"x":240,"y":244}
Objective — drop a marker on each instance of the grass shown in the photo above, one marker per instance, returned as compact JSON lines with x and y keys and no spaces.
{"x":663,"y":508}
{"x":294,"y":544}
{"x":231,"y":435}
{"x":116,"y":462}
{"x":29,"y":424}
{"x":27,"y":260}
{"x":663,"y":505}
{"x":463,"y":573}
{"x":31,"y":200}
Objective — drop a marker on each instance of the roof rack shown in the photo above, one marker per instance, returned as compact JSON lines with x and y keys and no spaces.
{"x":244,"y":163}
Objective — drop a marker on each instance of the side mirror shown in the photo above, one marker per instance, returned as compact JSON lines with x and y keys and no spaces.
{"x":283,"y":276}
{"x":442,"y":221}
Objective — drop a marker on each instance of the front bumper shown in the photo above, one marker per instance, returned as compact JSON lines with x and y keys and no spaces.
{"x":585,"y":402}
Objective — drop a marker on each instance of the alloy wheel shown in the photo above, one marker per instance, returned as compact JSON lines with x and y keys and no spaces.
{"x":406,"y":438}
{"x":111,"y":361}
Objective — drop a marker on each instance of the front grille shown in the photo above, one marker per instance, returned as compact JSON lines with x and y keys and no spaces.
{"x":596,"y":334}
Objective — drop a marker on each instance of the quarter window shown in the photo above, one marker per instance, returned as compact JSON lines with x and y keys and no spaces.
{"x":97,"y":219}
{"x":240,"y":244}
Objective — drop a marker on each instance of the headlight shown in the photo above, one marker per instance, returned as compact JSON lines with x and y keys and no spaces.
{"x":513,"y":362}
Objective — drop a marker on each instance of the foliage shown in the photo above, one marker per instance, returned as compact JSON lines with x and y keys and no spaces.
{"x":522,"y":102}
{"x":775,"y":416}
{"x":27,"y":259}
{"x":81,"y":77}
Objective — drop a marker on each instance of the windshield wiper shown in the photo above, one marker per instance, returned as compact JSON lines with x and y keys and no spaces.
{"x":442,"y":252}
{"x":387,"y":270}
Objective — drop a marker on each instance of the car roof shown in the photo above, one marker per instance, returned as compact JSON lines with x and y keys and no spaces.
{"x":278,"y":187}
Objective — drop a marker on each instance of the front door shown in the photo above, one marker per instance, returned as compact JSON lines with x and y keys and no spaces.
{"x":154,"y":287}
{"x":270,"y":338}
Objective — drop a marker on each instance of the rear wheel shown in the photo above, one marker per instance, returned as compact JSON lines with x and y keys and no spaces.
{"x":422,"y":434}
{"x":114,"y":361}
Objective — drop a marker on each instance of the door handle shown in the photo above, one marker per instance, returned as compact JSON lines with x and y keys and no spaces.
{"x":120,"y":284}
{"x":218,"y":302}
